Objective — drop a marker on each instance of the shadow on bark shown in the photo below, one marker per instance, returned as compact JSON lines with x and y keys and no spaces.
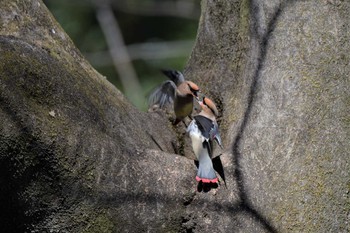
{"x":15,"y":208}
{"x":29,"y":163}
{"x":263,"y":41}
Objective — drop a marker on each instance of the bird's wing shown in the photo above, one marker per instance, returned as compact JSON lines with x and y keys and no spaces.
{"x":195,"y":129}
{"x":209,"y":129}
{"x":162,"y":95}
{"x":215,"y":134}
{"x":205,"y":125}
{"x":175,"y":76}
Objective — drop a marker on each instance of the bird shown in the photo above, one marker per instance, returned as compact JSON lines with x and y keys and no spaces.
{"x":202,"y":130}
{"x":178,"y":91}
{"x":210,"y":111}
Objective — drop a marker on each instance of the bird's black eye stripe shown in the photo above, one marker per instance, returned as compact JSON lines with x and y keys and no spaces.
{"x":193,"y":90}
{"x":205,"y":103}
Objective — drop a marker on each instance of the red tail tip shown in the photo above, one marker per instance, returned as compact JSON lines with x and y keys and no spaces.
{"x":205,"y":180}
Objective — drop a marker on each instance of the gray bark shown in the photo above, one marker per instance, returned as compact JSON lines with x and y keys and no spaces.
{"x":281,"y":70}
{"x":77,"y":157}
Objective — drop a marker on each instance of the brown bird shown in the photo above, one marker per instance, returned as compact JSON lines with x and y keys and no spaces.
{"x":178,"y":91}
{"x":203,"y":130}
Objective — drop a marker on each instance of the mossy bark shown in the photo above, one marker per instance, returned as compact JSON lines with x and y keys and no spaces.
{"x":76,"y":156}
{"x":280,"y":70}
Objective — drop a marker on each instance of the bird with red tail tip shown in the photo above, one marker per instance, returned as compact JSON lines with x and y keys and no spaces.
{"x":178,"y":91}
{"x":203,"y":130}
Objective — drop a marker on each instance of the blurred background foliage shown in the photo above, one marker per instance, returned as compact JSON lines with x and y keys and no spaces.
{"x":153,"y":35}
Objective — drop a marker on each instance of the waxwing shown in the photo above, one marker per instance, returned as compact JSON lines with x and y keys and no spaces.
{"x":210,"y":111}
{"x":203,"y":130}
{"x":178,"y":91}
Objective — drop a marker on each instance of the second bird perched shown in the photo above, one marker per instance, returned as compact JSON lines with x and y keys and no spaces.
{"x":178,"y":91}
{"x":203,"y":130}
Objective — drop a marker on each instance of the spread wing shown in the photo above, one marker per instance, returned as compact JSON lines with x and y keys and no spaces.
{"x":175,"y":76}
{"x":162,"y":95}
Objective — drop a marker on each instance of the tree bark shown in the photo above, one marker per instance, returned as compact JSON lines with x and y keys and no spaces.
{"x":76,"y":156}
{"x":280,"y":70}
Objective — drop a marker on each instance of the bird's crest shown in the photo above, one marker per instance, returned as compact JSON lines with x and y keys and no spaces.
{"x":210,"y":105}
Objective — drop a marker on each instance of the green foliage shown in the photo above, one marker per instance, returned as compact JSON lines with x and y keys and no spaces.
{"x":78,"y":19}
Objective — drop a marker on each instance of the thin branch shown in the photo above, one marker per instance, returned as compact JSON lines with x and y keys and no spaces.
{"x":146,"y":51}
{"x":119,"y":53}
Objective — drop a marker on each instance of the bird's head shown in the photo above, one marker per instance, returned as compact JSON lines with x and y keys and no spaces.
{"x":194,"y":89}
{"x":208,"y":104}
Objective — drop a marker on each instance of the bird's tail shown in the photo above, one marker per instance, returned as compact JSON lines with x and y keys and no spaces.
{"x":206,"y":172}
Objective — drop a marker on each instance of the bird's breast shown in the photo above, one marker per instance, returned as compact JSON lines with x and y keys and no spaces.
{"x":183,"y":105}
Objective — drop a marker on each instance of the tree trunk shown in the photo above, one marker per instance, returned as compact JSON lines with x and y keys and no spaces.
{"x":76,"y":156}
